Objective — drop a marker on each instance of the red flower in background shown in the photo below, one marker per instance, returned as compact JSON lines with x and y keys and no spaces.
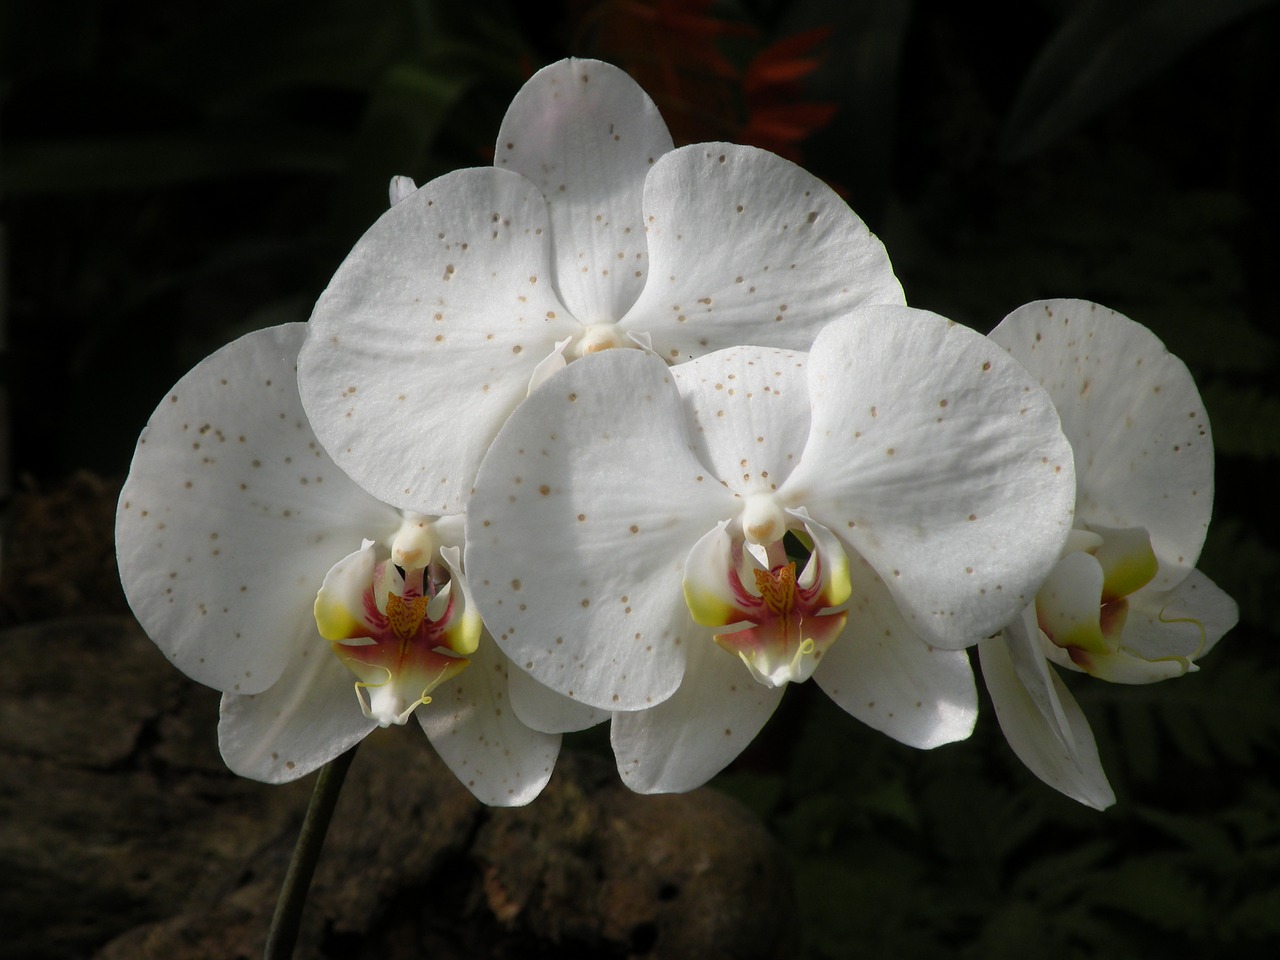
{"x":672,"y":48}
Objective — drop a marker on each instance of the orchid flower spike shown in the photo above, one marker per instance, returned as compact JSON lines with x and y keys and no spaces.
{"x":589,"y":232}
{"x":261,"y":570}
{"x":636,"y":534}
{"x":1125,"y":602}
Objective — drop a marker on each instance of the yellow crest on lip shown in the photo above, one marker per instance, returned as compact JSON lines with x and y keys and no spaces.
{"x":405,"y":616}
{"x":778,"y":588}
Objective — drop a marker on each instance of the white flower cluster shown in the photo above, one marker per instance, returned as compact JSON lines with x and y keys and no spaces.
{"x":617,"y":431}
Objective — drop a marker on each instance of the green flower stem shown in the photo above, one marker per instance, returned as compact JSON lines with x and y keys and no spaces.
{"x":293,"y":894}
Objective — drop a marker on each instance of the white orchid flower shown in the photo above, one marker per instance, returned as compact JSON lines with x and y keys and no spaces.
{"x":627,"y":507}
{"x":1125,"y":602}
{"x":243,"y":549}
{"x":589,"y":232}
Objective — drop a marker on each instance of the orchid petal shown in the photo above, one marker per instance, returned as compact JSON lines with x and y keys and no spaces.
{"x":543,"y":709}
{"x":1143,"y":450}
{"x":883,"y":673}
{"x":428,"y":334}
{"x":300,"y":723}
{"x":232,"y":514}
{"x":586,"y":134}
{"x":938,"y":460}
{"x":584,"y":510}
{"x":750,"y":414}
{"x":687,"y":739}
{"x":1035,"y":738}
{"x":1082,"y":541}
{"x":477,"y":734}
{"x":746,"y":247}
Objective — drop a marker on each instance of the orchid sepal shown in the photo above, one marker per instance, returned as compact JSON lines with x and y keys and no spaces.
{"x":1040,"y":718}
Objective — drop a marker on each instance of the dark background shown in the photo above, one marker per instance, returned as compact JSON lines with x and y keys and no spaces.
{"x":175,"y":174}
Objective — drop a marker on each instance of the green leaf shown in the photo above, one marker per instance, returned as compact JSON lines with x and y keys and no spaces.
{"x":1246,"y":420}
{"x":1157,"y":889}
{"x":1256,"y":917}
{"x":1102,"y":52}
{"x":1207,"y":840}
{"x":147,"y":162}
{"x":408,"y":106}
{"x":1058,"y":878}
{"x":759,"y":793}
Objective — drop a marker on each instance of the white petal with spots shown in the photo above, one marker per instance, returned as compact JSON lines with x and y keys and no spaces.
{"x":301,"y":722}
{"x":883,"y":673}
{"x":749,"y":412}
{"x":587,"y":135}
{"x":472,"y":726}
{"x":1133,"y":415}
{"x":746,"y":247}
{"x":585,"y":508}
{"x":687,"y":739}
{"x":232,"y":514}
{"x":940,"y":462}
{"x":457,"y":301}
{"x":428,"y":334}
{"x":543,"y":709}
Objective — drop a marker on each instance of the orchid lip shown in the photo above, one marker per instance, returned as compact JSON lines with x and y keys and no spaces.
{"x":1083,"y":606}
{"x":787,"y":621}
{"x":402,"y":631}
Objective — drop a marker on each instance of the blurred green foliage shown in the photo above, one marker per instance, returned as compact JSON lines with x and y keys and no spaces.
{"x":174,"y":175}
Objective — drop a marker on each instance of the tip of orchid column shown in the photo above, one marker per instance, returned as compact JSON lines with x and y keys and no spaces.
{"x":599,"y":337}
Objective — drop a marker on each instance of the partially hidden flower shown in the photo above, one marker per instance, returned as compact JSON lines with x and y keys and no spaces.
{"x":260,"y":569}
{"x":677,"y":544}
{"x":589,"y":232}
{"x":1125,"y":602}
